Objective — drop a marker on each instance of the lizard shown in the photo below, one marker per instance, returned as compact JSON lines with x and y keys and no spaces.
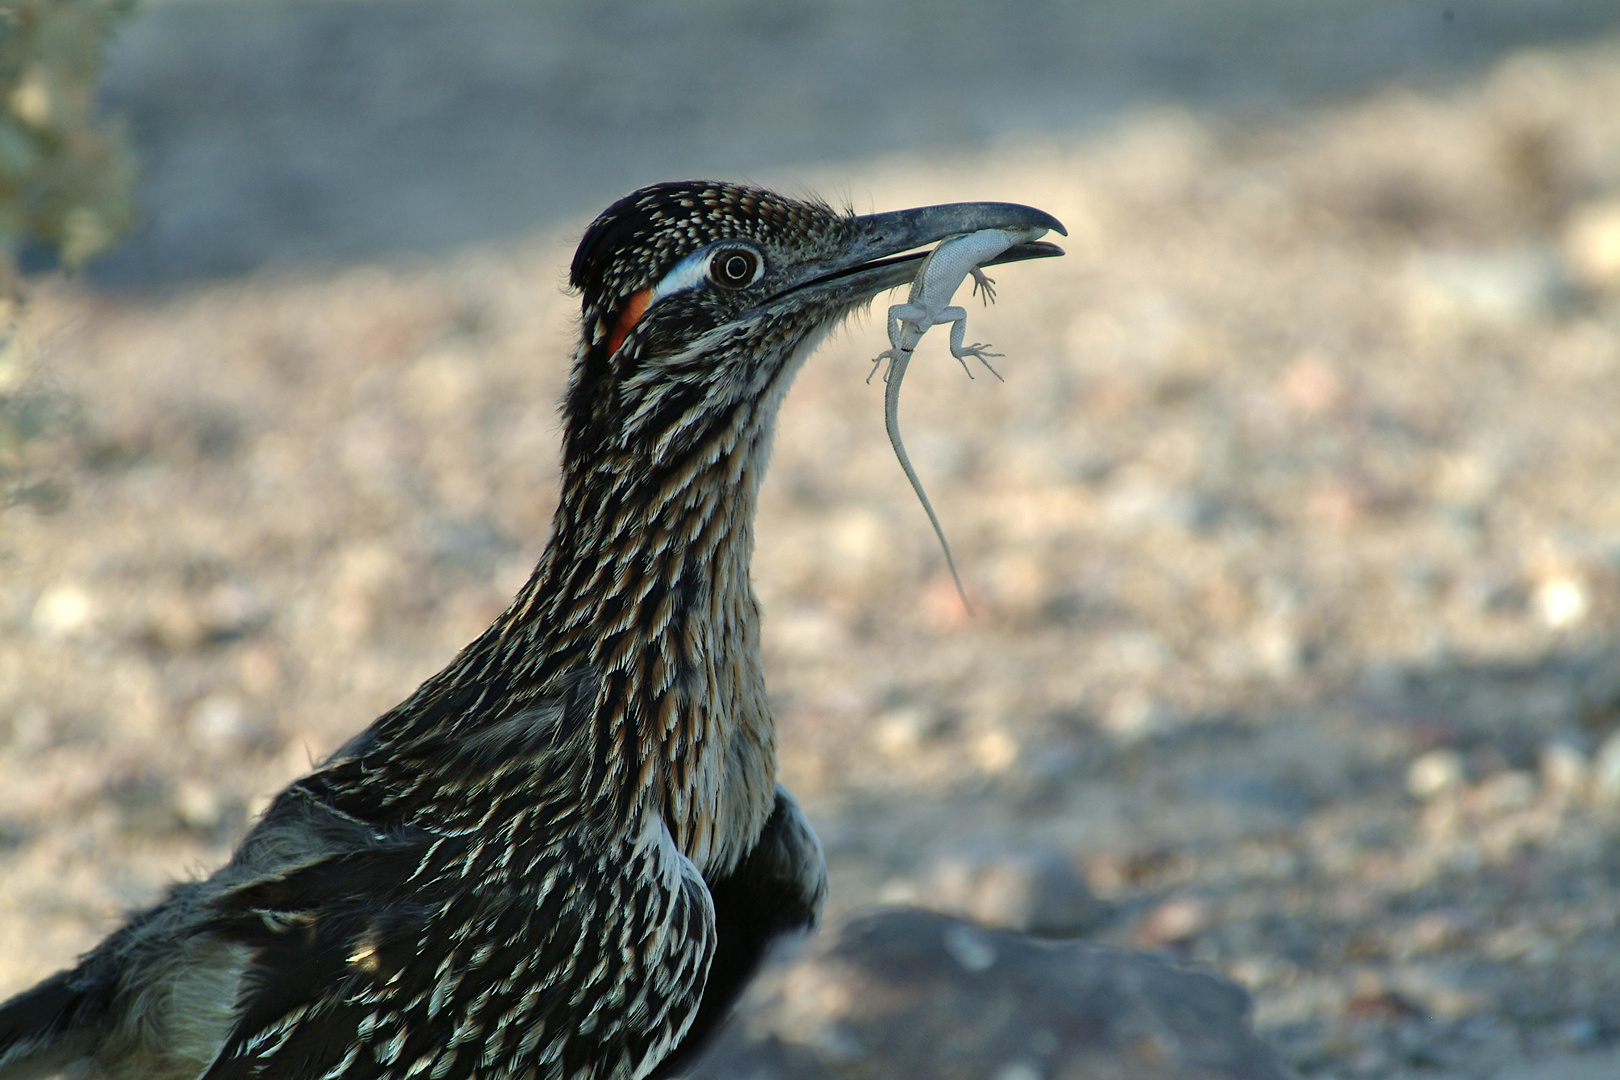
{"x":928,"y":305}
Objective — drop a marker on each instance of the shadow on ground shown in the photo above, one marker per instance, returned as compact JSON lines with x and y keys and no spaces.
{"x":1430,"y":850}
{"x":335,"y":131}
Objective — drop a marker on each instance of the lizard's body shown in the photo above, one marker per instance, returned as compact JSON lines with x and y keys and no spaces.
{"x":927,"y":305}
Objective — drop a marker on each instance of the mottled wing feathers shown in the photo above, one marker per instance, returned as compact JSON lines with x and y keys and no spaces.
{"x":590,"y":966}
{"x":37,"y":1027}
{"x":315,"y":930}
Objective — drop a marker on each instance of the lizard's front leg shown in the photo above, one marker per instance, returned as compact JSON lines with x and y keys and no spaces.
{"x":983,"y":283}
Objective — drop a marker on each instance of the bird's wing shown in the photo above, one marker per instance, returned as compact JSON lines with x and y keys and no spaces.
{"x":592,"y":967}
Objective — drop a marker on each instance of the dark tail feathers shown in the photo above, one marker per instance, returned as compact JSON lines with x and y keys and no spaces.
{"x":44,"y":1029}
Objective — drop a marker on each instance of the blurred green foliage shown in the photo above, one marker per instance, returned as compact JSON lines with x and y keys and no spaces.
{"x":65,"y":184}
{"x":64,"y":178}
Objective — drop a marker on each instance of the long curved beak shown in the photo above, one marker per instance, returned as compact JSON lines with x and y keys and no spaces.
{"x":880,"y":251}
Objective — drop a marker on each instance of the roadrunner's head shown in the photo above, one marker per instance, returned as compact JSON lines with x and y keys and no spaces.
{"x":700,"y":300}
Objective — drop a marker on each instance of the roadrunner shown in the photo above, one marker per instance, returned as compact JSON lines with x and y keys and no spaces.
{"x":564,"y":854}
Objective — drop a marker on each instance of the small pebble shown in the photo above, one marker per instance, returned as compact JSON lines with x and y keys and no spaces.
{"x":1492,"y":286}
{"x":1018,"y":1070}
{"x":218,"y":720}
{"x":1606,"y":769}
{"x":1511,"y":790}
{"x":197,"y":804}
{"x":899,"y":732}
{"x":995,"y":751}
{"x":63,"y":611}
{"x":1312,"y":385}
{"x":1564,"y":769}
{"x":1591,"y":244}
{"x":1035,"y":892}
{"x":1278,"y":651}
{"x":1435,"y":773}
{"x":1174,"y":922}
{"x":1133,"y":716}
{"x":973,"y":950}
{"x":1563,"y":601}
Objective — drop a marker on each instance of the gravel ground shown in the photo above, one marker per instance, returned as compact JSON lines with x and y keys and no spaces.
{"x":1293,"y":539}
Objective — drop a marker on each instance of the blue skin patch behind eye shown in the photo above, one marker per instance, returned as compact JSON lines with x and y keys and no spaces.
{"x":689,"y":273}
{"x":693,"y":271}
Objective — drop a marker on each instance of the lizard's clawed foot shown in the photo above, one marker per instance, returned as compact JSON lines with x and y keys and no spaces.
{"x":980,"y":352}
{"x":985,"y":284}
{"x":887,"y":354}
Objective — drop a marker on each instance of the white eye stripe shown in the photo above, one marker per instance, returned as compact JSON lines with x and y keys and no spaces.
{"x":689,"y":273}
{"x":693,"y":270}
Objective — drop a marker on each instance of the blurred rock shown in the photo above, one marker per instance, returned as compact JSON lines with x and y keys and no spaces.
{"x":1435,"y":773}
{"x":1564,"y":768}
{"x":806,"y":631}
{"x":1174,"y":923}
{"x":1340,"y":503}
{"x":367,"y":575}
{"x":198,"y":805}
{"x":219,"y":722}
{"x":1563,"y":601}
{"x":1606,"y":769}
{"x":259,"y":669}
{"x":1591,"y":244}
{"x":1133,"y":715}
{"x":1579,"y":1032}
{"x":1036,"y":892}
{"x":1137,"y":502}
{"x":64,"y":610}
{"x":902,"y":992}
{"x":1439,"y":990}
{"x":900,"y":731}
{"x":1312,"y":385}
{"x":1433,"y":931}
{"x":1513,"y":789}
{"x":180,"y":620}
{"x":1278,"y":651}
{"x":995,"y":751}
{"x":1498,"y":287}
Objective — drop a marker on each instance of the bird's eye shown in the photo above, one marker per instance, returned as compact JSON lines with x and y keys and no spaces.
{"x":734,"y":268}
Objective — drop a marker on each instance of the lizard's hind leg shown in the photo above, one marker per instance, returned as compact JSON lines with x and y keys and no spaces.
{"x":979,"y":349}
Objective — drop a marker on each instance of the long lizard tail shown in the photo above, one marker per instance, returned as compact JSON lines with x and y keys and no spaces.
{"x":891,"y":422}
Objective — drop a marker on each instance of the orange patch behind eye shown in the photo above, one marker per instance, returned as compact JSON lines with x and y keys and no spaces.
{"x":628,"y":318}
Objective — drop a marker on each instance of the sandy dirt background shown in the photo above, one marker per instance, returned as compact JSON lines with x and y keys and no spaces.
{"x":1293,"y":532}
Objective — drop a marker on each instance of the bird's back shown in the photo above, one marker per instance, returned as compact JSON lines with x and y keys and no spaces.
{"x":355,"y":935}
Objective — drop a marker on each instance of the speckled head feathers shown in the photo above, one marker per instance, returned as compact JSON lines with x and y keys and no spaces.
{"x":638,"y":239}
{"x":643,"y":312}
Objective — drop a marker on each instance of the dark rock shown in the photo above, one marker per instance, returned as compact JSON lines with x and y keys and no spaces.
{"x":901,"y":992}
